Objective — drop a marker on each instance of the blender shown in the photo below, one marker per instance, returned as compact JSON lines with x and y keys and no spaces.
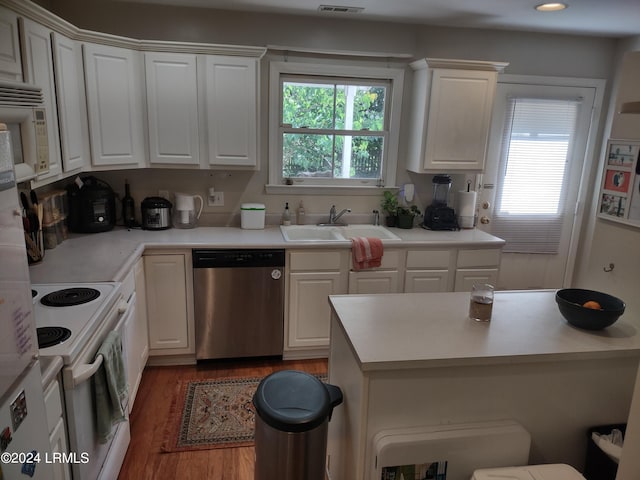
{"x":438,"y":215}
{"x":185,"y":215}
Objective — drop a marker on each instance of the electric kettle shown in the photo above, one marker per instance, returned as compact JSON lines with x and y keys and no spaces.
{"x":184,"y":214}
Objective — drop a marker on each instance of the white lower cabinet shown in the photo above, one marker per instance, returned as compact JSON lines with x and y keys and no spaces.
{"x":476,"y":266}
{"x":168,"y":284}
{"x":135,"y":341}
{"x":56,"y":429}
{"x":384,"y":279}
{"x":427,"y":271}
{"x":313,"y":276}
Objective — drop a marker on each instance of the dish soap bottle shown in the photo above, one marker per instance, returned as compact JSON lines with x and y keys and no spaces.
{"x":300,"y":216}
{"x":286,"y":215}
{"x":128,"y":207}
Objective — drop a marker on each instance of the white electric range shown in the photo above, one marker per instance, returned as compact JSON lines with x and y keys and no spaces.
{"x":96,"y":310}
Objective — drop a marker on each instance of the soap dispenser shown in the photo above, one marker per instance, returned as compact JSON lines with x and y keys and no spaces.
{"x":286,"y":215}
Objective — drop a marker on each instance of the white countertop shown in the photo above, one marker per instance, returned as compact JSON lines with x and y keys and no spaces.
{"x":108,"y":256}
{"x":432,"y":330}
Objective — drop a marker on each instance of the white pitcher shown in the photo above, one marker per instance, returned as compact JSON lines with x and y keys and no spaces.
{"x":184,"y":213}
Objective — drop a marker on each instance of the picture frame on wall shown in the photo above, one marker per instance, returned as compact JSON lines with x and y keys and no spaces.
{"x":620,"y":189}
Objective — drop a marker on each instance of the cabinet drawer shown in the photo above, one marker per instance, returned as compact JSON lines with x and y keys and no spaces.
{"x":52,"y":405}
{"x":428,"y":258}
{"x":478,"y":258}
{"x":316,"y":260}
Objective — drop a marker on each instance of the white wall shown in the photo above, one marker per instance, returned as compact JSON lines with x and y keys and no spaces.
{"x":611,"y":242}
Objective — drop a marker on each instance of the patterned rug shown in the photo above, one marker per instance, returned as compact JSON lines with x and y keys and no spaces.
{"x":211,"y":414}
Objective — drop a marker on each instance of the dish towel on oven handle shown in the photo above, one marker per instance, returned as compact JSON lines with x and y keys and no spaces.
{"x":110,"y":384}
{"x":366,"y":252}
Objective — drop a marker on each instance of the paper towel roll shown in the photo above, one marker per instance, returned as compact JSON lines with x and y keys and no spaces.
{"x":466,"y":203}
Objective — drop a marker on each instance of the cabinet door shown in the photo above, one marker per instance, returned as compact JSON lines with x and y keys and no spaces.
{"x":38,"y":70}
{"x":309,"y":310}
{"x":466,"y":277}
{"x":426,"y":281}
{"x":58,"y":440}
{"x":72,"y":103}
{"x":167,"y":302}
{"x":232,"y":110}
{"x":172,"y":108}
{"x":10,"y":58}
{"x":141,"y":330}
{"x":460,"y":110}
{"x":113,"y":81}
{"x":373,"y":282}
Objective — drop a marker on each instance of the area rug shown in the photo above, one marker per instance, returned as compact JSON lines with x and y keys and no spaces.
{"x":208,"y":414}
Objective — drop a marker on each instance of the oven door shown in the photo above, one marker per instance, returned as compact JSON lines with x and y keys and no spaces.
{"x":94,"y":460}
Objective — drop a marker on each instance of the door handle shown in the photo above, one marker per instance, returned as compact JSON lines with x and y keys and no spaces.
{"x":485,"y":220}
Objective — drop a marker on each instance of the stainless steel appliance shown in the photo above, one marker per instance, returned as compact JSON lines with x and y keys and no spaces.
{"x":239,"y":303}
{"x":156,"y":213}
{"x":23,"y":440}
{"x":92,"y":206}
{"x":73,"y":320}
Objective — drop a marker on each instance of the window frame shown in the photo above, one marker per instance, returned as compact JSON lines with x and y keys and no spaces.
{"x":339,"y":72}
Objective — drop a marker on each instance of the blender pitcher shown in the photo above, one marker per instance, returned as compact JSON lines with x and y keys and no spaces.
{"x":185,"y":215}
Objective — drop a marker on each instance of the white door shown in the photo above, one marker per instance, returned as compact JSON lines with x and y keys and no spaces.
{"x":531,"y":186}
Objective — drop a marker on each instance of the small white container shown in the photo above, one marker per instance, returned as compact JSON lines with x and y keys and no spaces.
{"x":252,"y":216}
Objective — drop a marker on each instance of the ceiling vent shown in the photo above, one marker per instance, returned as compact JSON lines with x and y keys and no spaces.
{"x":339,"y":9}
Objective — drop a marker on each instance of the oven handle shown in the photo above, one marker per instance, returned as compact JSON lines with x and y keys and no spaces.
{"x":84,"y":372}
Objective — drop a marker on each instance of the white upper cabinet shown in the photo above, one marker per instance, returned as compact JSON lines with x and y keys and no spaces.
{"x":72,"y":106}
{"x":38,"y":70}
{"x":113,"y":77}
{"x":452,"y":106}
{"x":232,"y":110}
{"x":10,"y":59}
{"x":172,"y":108}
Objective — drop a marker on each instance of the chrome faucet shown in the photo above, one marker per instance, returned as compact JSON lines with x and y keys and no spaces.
{"x":334,"y":217}
{"x":376,"y":217}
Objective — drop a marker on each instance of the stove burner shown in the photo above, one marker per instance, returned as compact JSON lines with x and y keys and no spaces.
{"x":70,"y":296}
{"x":50,"y":336}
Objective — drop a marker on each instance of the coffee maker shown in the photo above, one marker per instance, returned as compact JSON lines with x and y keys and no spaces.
{"x":438,"y":215}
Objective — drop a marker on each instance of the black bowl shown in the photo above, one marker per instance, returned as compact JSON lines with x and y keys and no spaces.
{"x":570,"y":301}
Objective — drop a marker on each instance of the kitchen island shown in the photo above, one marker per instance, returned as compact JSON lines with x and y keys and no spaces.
{"x":416,"y":359}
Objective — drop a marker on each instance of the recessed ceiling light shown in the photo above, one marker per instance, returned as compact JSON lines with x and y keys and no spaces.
{"x":551,"y":7}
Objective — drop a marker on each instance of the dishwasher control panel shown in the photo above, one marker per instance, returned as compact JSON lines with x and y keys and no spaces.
{"x":238,"y":258}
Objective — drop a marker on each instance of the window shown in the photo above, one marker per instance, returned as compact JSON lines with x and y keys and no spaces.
{"x":333,"y":126}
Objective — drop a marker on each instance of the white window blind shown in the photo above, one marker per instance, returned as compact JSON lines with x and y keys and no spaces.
{"x":536,"y":147}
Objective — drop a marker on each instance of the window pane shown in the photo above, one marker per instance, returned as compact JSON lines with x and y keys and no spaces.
{"x":308,"y":105}
{"x":360,"y":107}
{"x":328,"y":156}
{"x":307,"y":155}
{"x":358,"y":157}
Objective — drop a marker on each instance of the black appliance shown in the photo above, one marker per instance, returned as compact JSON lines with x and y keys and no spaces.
{"x":156,"y":213}
{"x":92,"y":206}
{"x":438,"y":215}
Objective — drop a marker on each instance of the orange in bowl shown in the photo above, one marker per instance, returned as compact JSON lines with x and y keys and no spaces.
{"x":592,"y":304}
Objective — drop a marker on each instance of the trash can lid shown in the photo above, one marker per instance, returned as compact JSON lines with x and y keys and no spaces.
{"x":292,"y":401}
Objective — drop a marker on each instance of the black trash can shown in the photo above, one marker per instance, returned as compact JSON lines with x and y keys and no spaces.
{"x":293,"y":410}
{"x":598,"y":465}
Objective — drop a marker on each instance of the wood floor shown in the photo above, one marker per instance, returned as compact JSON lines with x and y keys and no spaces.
{"x":144,"y":460}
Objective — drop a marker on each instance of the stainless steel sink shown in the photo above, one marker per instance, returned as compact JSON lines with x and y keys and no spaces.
{"x":315,"y":233}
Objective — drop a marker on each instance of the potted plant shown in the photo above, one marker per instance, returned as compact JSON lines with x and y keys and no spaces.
{"x":390,"y":205}
{"x":406,"y":216}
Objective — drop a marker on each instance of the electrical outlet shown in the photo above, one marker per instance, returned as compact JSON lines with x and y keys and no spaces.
{"x":217,"y":200}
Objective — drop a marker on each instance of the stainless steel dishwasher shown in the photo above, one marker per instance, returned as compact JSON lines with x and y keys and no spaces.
{"x":238,"y":303}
